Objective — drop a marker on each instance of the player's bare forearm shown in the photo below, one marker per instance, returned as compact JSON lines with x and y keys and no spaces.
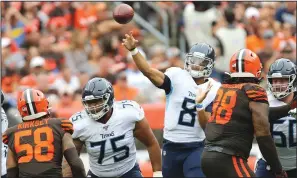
{"x":144,"y":134}
{"x":154,"y":75}
{"x":261,"y":124}
{"x":66,"y":170}
{"x":11,"y":164}
{"x":260,"y":112}
{"x":68,"y":143}
{"x":203,"y":118}
{"x":155,"y":156}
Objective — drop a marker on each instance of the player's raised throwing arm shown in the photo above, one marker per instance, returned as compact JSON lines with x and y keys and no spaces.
{"x":155,"y":76}
{"x":144,"y":134}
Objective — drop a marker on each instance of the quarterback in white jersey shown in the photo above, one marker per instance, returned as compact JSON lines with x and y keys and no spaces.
{"x":282,"y":84}
{"x":108,"y":130}
{"x":183,"y":135}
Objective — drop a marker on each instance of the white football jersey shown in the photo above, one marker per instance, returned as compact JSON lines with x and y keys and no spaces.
{"x":111,"y":146}
{"x":284,"y":135}
{"x":181,"y":124}
{"x":4,"y":123}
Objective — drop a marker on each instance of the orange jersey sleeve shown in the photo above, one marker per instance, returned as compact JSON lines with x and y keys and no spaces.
{"x":256,"y":93}
{"x":67,"y":126}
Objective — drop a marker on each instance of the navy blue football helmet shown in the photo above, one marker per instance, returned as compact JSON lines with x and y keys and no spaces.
{"x":200,"y":60}
{"x":98,"y":97}
{"x":282,"y":69}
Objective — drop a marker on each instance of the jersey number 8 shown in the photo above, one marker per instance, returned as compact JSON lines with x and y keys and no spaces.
{"x":187,"y":111}
{"x":39,"y":144}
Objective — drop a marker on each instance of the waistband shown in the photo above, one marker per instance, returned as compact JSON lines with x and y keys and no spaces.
{"x":226,"y":151}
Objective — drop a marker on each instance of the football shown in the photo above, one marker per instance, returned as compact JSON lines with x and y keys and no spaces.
{"x":123,"y":13}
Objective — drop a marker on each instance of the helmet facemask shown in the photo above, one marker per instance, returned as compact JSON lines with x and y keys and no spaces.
{"x":198,"y":65}
{"x":283,"y":88}
{"x":97,"y":107}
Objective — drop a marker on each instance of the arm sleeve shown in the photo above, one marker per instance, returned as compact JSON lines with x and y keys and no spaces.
{"x":276,"y":113}
{"x":166,"y":85}
{"x":256,"y":93}
{"x":209,"y":107}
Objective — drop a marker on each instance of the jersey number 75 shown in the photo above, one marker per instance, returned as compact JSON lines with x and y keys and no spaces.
{"x":114,"y":147}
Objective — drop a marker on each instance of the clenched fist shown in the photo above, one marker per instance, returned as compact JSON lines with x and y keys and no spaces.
{"x":129,"y":42}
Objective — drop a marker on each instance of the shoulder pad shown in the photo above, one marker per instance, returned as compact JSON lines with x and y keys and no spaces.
{"x":132,"y":104}
{"x":77,"y":116}
{"x":256,"y":93}
{"x":173,"y":70}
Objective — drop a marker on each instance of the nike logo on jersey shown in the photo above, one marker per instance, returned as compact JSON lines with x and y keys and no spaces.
{"x":107,"y":135}
{"x":105,"y":127}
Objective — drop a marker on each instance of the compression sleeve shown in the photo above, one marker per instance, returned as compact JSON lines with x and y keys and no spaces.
{"x":75,"y":163}
{"x":166,"y":85}
{"x":13,"y":172}
{"x":276,"y":113}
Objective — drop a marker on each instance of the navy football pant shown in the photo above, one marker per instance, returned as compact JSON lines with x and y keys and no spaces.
{"x":182,"y":159}
{"x":134,"y":172}
{"x":261,"y":170}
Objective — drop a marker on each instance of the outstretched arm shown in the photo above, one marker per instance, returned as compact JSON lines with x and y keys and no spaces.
{"x":12,"y":165}
{"x":144,"y":134}
{"x":71,"y":154}
{"x":276,"y":113}
{"x":155,"y":76}
{"x":263,"y":135}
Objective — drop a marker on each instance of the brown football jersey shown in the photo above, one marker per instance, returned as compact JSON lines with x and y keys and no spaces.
{"x":231,"y":125}
{"x":37,"y":145}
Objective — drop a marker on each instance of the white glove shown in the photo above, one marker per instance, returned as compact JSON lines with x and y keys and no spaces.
{"x":157,"y":174}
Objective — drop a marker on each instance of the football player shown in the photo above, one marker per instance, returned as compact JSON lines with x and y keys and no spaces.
{"x":4,"y":124}
{"x":239,"y":112}
{"x":108,"y":130}
{"x":183,"y":136}
{"x":36,"y":146}
{"x":281,"y":90}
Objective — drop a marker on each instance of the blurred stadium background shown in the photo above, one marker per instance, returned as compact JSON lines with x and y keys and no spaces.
{"x":57,"y":47}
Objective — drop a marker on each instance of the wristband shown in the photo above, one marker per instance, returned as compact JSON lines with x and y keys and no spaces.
{"x":134,"y":51}
{"x":199,"y":106}
{"x":157,"y":174}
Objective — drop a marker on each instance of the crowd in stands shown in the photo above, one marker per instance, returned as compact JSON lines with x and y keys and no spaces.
{"x":57,"y":47}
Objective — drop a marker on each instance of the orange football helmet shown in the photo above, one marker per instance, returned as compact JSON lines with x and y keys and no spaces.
{"x":245,"y":63}
{"x":32,"y":104}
